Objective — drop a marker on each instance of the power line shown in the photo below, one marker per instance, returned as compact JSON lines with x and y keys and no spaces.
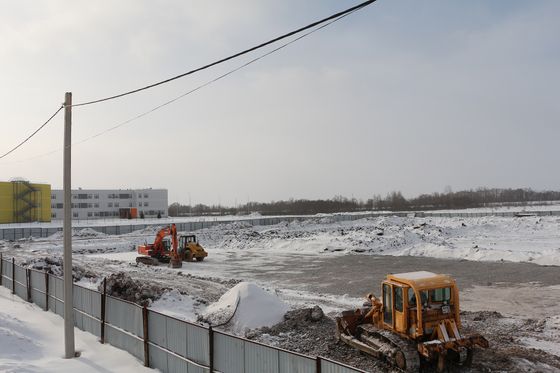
{"x":196,"y":88}
{"x":210,"y":81}
{"x":33,"y":134}
{"x":332,"y":17}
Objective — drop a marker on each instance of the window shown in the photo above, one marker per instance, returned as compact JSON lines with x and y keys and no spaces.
{"x":82,"y":205}
{"x":96,"y":196}
{"x":89,"y":205}
{"x":139,"y":195}
{"x":139,"y":204}
{"x":440,"y":295}
{"x":90,"y":214}
{"x":75,"y":214}
{"x":116,"y":204}
{"x":53,"y":215}
{"x":130,"y":204}
{"x":398,"y":298}
{"x":59,"y":205}
{"x":412,"y":297}
{"x":125,"y":195}
{"x":82,"y":196}
{"x":145,"y":195}
{"x":96,"y":205}
{"x":53,"y":196}
{"x":145,"y":204}
{"x":110,"y":204}
{"x":74,"y":196}
{"x":387,"y":304}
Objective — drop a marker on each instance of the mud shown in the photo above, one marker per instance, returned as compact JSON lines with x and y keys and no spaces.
{"x":121,"y":285}
{"x":299,"y":332}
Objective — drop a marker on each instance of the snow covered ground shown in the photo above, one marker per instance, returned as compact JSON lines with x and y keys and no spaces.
{"x":316,"y":261}
{"x":31,"y":340}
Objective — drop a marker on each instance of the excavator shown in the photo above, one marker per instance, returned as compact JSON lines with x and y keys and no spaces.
{"x":416,"y":322}
{"x":174,"y":251}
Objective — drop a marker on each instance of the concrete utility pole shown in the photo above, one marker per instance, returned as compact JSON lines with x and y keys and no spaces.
{"x":69,"y":348}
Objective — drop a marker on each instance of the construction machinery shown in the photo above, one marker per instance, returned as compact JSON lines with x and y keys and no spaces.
{"x":415,"y":322}
{"x":173,"y":251}
{"x":190,"y":249}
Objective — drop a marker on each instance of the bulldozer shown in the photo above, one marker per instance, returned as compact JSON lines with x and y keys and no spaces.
{"x":173,"y":251}
{"x":416,"y":322}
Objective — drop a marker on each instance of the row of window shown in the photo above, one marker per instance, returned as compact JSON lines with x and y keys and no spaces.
{"x":110,"y":213}
{"x":95,"y":205}
{"x":110,"y":196}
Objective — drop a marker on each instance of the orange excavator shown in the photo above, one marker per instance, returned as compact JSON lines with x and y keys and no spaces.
{"x":161,"y":250}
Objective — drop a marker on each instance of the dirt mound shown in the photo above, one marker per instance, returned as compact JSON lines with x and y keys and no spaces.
{"x":507,"y":351}
{"x":121,"y":285}
{"x":310,"y":332}
{"x":54,"y":266}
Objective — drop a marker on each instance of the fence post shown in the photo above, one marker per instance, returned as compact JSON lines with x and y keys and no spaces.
{"x":211,"y":348}
{"x":28,"y":283}
{"x":46,"y":291}
{"x":13,"y":276}
{"x":103,"y":299}
{"x":146,"y":339}
{"x":318,"y":364}
{"x":1,"y":268}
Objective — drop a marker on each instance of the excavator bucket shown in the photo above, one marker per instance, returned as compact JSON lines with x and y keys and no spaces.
{"x":175,"y":262}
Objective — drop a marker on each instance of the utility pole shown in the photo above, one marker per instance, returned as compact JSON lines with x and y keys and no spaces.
{"x":69,"y":348}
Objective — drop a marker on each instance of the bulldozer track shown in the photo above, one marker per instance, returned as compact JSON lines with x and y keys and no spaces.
{"x":398,"y":344}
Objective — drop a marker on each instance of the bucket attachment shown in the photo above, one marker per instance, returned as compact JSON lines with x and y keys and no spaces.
{"x":175,"y":261}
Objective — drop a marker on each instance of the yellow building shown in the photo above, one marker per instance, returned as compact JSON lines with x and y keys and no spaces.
{"x":22,"y":202}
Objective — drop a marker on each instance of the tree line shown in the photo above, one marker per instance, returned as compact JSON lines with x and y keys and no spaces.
{"x":393,"y":201}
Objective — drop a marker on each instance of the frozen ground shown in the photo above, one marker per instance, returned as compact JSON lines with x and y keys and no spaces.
{"x":32,"y":341}
{"x":508,"y":265}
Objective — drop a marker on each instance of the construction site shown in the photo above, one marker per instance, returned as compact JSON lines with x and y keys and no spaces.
{"x":280,"y":187}
{"x":301,"y":285}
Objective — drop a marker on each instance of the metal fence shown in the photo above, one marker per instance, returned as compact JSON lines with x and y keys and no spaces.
{"x":38,"y":232}
{"x":160,"y":341}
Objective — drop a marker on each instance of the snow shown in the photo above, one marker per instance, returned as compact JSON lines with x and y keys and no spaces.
{"x":419,"y":275}
{"x":178,"y":305}
{"x":31,"y":340}
{"x":248,"y":306}
{"x":551,"y":347}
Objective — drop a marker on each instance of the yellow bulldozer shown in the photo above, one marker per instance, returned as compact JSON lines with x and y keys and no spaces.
{"x":415,"y":322}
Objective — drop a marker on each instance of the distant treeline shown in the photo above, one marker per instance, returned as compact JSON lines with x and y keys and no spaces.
{"x":394,"y":201}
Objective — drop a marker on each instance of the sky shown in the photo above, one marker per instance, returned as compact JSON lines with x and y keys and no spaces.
{"x":407,"y":95}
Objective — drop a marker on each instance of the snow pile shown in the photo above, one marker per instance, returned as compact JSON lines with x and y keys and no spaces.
{"x":527,"y":239}
{"x":83,"y":233}
{"x":32,"y":341}
{"x":54,"y":266}
{"x":178,"y":305}
{"x":246,"y":306}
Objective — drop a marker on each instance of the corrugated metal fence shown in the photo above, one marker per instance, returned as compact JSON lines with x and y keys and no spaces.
{"x":38,"y":232}
{"x":160,"y":341}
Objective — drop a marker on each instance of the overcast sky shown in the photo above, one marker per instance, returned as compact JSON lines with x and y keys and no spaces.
{"x":403,"y":95}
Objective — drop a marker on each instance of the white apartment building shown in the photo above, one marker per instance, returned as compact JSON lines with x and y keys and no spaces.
{"x":111,"y":203}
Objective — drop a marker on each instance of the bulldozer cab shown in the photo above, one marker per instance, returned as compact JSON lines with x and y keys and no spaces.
{"x":415,"y":302}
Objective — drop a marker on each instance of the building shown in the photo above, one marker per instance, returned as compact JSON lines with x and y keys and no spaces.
{"x":24,"y":202}
{"x":111,"y":203}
